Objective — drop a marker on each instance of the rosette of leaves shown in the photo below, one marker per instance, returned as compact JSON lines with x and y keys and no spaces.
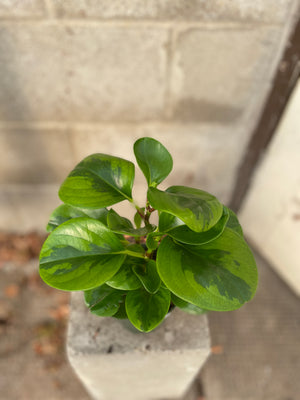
{"x":196,"y":258}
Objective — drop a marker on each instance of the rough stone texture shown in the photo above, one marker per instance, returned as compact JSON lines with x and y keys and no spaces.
{"x":274,"y":199}
{"x":115,"y":361}
{"x":256,"y":348}
{"x":197,"y":10}
{"x":27,"y":207}
{"x":52,"y":72}
{"x":34,"y":156}
{"x":221,"y":77}
{"x":21,"y":8}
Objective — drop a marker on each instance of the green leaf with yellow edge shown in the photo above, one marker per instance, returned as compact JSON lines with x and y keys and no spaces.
{"x":154,"y":160}
{"x":80,"y":254}
{"x":199,"y":210}
{"x":125,"y":278}
{"x":104,"y":301}
{"x":98,"y":181}
{"x":145,"y":310}
{"x":65,"y":212}
{"x":220,"y":275}
{"x":147,"y":274}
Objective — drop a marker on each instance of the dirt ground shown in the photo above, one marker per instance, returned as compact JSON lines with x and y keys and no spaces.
{"x":255,"y":350}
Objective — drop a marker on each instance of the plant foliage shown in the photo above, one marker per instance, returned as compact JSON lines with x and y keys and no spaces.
{"x":195,"y":259}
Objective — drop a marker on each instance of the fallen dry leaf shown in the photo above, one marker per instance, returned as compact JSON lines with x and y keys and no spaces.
{"x":218,"y":349}
{"x":12,"y":291}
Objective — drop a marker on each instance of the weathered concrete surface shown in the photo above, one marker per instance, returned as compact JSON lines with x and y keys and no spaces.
{"x":52,"y":72}
{"x":217,"y":75}
{"x":113,"y":360}
{"x":34,"y":156}
{"x":256,"y":348}
{"x":197,"y":10}
{"x":22,"y":8}
{"x":271,"y":212}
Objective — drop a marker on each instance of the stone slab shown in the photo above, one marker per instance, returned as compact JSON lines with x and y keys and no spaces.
{"x":87,"y":73}
{"x":195,"y":10}
{"x":114,"y":360}
{"x":221,"y":76}
{"x":271,"y":211}
{"x":34,"y":156}
{"x":21,"y":8}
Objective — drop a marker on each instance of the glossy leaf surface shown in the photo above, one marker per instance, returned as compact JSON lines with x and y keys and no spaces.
{"x":98,"y":181}
{"x":80,"y":254}
{"x":65,"y":212}
{"x":125,"y":278}
{"x":147,"y":274}
{"x":154,"y":160}
{"x":104,"y":301}
{"x":233,"y":222}
{"x":145,"y":311}
{"x":185,"y":306}
{"x":184,"y":234}
{"x":123,"y":226}
{"x":199,"y":210}
{"x":220,"y":275}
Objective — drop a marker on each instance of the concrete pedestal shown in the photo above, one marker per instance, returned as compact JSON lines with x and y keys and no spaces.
{"x":115,"y":361}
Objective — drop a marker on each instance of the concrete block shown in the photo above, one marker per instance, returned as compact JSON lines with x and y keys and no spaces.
{"x":34,"y":156}
{"x":88,"y":73}
{"x":27,"y":207}
{"x":195,"y":10}
{"x":115,"y":361}
{"x":271,"y":212}
{"x":21,"y":8}
{"x":220,"y":76}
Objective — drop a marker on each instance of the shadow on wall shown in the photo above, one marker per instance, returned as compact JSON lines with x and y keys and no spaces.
{"x":26,"y":153}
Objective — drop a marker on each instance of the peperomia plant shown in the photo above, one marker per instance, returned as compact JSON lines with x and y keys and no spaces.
{"x":195,"y":258}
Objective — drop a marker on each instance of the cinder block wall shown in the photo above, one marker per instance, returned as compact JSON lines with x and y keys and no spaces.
{"x":84,"y":76}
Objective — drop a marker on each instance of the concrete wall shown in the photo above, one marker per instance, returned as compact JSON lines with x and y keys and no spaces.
{"x":83,"y":76}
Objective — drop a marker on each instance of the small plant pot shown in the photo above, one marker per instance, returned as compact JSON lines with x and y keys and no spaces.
{"x":114,"y":360}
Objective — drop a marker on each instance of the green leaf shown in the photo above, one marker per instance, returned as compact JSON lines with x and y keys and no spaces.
{"x":98,"y":181}
{"x":220,"y":275}
{"x":80,"y":254}
{"x":145,"y":311}
{"x":125,"y":278}
{"x":123,"y":226}
{"x":233,"y":222}
{"x":104,"y":301}
{"x":185,"y":306}
{"x":121,"y":313}
{"x":137,"y":217}
{"x":184,"y":234}
{"x":65,"y":212}
{"x":147,"y":274}
{"x":152,"y":241}
{"x":199,"y":210}
{"x":154,"y":160}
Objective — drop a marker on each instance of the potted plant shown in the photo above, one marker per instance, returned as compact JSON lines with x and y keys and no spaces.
{"x":195,"y":258}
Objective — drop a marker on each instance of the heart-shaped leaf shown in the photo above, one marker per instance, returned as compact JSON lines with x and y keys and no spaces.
{"x":199,"y":210}
{"x":147,"y":274}
{"x":123,"y":226}
{"x":220,"y":275}
{"x":125,"y":278}
{"x":185,"y":306}
{"x":80,"y":254}
{"x":98,"y":181}
{"x":154,"y":160}
{"x":104,"y":301}
{"x":145,"y":310}
{"x":184,"y":234}
{"x":65,"y":212}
